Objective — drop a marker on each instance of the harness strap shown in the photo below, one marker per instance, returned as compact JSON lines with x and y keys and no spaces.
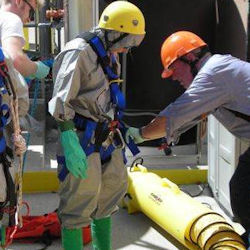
{"x":5,"y":114}
{"x":64,"y":171}
{"x":90,"y":128}
{"x":11,"y":196}
{"x":2,"y":142}
{"x":4,"y":108}
{"x":97,"y":45}
{"x":117,"y":97}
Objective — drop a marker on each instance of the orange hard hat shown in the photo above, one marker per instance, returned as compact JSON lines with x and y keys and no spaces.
{"x":177,"y":45}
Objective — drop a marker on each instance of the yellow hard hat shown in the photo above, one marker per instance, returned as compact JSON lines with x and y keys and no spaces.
{"x":124,"y":17}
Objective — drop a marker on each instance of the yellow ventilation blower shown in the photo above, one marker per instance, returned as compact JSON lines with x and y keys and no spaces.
{"x":193,"y":224}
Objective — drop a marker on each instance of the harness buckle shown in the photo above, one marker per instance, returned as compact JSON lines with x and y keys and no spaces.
{"x":122,"y":143}
{"x":113,"y":125}
{"x":116,"y":134}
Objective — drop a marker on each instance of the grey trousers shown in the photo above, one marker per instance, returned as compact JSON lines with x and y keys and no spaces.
{"x":95,"y":197}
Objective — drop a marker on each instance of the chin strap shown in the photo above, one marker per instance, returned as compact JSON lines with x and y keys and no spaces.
{"x":111,"y":43}
{"x":192,"y":64}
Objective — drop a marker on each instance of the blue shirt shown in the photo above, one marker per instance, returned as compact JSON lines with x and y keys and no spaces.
{"x":222,"y":83}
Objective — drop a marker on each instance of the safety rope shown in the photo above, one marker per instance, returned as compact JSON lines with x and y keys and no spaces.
{"x":21,"y":144}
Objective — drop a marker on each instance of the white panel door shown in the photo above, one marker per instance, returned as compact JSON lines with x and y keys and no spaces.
{"x":223,"y":152}
{"x":228,"y":158}
{"x":213,"y":146}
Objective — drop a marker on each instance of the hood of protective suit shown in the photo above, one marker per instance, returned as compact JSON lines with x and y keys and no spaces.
{"x":129,"y":41}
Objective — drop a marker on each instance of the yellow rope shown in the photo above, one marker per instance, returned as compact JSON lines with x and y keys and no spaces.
{"x":17,"y":132}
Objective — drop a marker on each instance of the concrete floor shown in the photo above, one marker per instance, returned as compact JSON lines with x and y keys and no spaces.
{"x":130,"y":231}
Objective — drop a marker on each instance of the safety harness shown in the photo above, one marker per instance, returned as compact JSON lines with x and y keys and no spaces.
{"x":102,"y":129}
{"x":9,"y":205}
{"x":10,"y":209}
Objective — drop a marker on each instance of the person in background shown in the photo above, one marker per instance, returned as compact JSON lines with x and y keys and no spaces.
{"x":13,"y":14}
{"x":87,"y":104}
{"x":215,"y":84}
{"x":14,"y":101}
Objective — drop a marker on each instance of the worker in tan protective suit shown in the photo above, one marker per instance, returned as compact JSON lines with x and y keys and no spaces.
{"x":86,"y":101}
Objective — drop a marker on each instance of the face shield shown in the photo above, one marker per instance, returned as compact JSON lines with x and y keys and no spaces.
{"x":127,"y":42}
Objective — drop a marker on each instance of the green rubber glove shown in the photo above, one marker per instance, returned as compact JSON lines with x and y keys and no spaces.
{"x":135,"y":135}
{"x":75,"y":157}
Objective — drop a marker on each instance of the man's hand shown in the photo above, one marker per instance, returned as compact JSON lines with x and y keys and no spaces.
{"x":135,"y":135}
{"x":75,"y":157}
